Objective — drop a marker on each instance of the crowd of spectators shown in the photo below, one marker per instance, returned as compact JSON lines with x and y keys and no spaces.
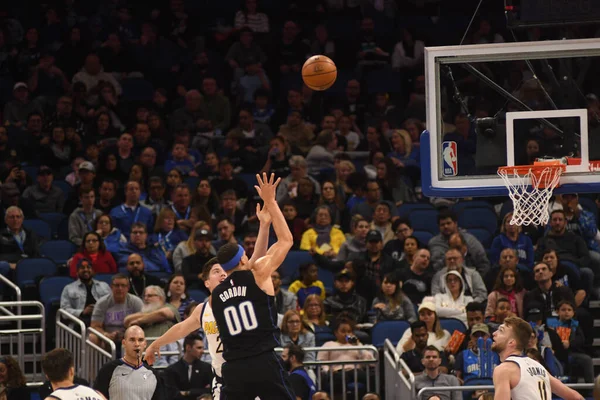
{"x":143,"y":123}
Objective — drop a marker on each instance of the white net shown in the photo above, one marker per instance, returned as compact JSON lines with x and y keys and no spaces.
{"x":530,"y":193}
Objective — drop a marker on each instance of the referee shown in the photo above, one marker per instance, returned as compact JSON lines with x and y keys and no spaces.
{"x":129,"y":378}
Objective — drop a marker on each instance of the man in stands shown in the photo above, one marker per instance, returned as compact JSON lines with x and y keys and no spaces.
{"x":130,"y":212}
{"x":79,"y":298}
{"x":107,"y":196}
{"x":225,"y":230}
{"x":87,"y":175}
{"x":138,"y":279}
{"x":448,"y":222}
{"x":373,"y":199}
{"x":293,"y":362}
{"x":153,"y":256}
{"x":284,"y":300}
{"x":46,"y":197}
{"x":191,"y":265}
{"x":155,"y":201}
{"x":82,"y":219}
{"x":433,"y":377}
{"x":345,"y":298}
{"x":182,"y":198}
{"x":17,"y":242}
{"x":190,"y":375}
{"x":473,"y":282}
{"x":416,"y":281}
{"x":229,"y":208}
{"x":227,"y":181}
{"x":413,"y":358}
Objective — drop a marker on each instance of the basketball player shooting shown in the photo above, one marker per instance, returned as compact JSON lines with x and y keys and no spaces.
{"x":244,"y":308}
{"x":519,"y":377}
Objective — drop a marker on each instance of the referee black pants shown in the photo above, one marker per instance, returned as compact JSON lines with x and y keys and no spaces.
{"x":262,"y":376}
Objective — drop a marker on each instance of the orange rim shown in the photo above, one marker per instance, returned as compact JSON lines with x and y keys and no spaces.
{"x":537,"y":171}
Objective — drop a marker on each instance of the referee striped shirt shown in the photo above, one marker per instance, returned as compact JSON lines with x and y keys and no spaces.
{"x":118,"y":380}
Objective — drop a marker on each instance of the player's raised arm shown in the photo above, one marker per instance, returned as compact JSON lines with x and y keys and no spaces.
{"x":563,"y":391}
{"x":502,"y":381}
{"x":262,"y":239}
{"x":277,"y":252}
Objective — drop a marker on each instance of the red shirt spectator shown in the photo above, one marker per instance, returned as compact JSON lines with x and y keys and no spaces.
{"x":93,"y":249}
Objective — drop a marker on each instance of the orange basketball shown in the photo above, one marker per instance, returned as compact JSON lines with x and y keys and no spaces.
{"x":319,"y":72}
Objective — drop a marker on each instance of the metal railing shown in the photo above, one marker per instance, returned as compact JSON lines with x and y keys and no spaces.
{"x":399,"y":379}
{"x":96,"y":356}
{"x":356,"y":364}
{"x":26,"y":345}
{"x":438,"y":389}
{"x":71,"y":335}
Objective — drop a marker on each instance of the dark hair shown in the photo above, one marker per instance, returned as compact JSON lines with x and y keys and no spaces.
{"x":445,"y":214}
{"x":188,"y":309}
{"x":499,"y":284}
{"x":222,"y":218}
{"x":101,"y":245}
{"x":15,"y":377}
{"x":303,"y":269}
{"x":85,"y":190}
{"x":296,"y":351}
{"x":343,"y":318}
{"x":101,"y":216}
{"x":324,"y":138}
{"x":419,"y":245}
{"x":118,"y":276}
{"x":417,"y":325}
{"x":342,"y":157}
{"x":549,"y":250}
{"x":431,"y":348}
{"x":175,"y":275}
{"x":190,"y":340}
{"x":357,"y":181}
{"x":260,"y":92}
{"x":229,"y":192}
{"x":502,"y":300}
{"x":156,"y":179}
{"x":227,"y":252}
{"x":139,"y":225}
{"x":558,"y":211}
{"x":563,"y":302}
{"x":474,"y":306}
{"x":57,"y":363}
{"x":207,"y":267}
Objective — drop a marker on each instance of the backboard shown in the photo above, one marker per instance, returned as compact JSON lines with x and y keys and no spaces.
{"x":549,"y":110}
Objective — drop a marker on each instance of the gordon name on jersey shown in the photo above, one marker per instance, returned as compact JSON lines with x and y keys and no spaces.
{"x":236,"y":291}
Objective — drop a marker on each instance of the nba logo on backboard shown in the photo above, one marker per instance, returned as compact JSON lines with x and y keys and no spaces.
{"x":450,"y":158}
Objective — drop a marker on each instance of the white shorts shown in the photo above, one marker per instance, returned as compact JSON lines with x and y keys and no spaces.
{"x":217,"y":383}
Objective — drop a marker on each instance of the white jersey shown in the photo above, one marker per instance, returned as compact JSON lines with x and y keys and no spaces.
{"x":211,"y":330}
{"x":76,"y":392}
{"x":534,"y":382}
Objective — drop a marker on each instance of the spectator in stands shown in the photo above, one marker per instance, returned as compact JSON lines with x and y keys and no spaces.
{"x":296,"y":224}
{"x":293,"y":357}
{"x":177,"y":293}
{"x":416,"y":280}
{"x":46,"y":197}
{"x":16,"y":111}
{"x":395,"y":187}
{"x":154,"y":258}
{"x":297,"y":133}
{"x":131,"y":212}
{"x":546,"y":292}
{"x":92,"y":74}
{"x":305,"y":199}
{"x":155,"y":201}
{"x":205,"y":200}
{"x":322,"y":238}
{"x":438,"y":245}
{"x":107,"y":196}
{"x":411,"y":246}
{"x":156,"y":316}
{"x":473,"y":284}
{"x":372,"y":200}
{"x":392,"y":304}
{"x":332,"y":198}
{"x":15,"y":177}
{"x":508,"y":286}
{"x":320,"y":156}
{"x":92,"y":248}
{"x":298,"y":170}
{"x":191,"y":266}
{"x":228,"y":208}
{"x":382,"y":217}
{"x":284,"y":300}
{"x":438,"y":337}
{"x":567,"y":277}
{"x":12,"y":379}
{"x":79,"y":298}
{"x":308,"y":283}
{"x":139,"y":280}
{"x":277,"y":158}
{"x":512,"y":237}
{"x":412,"y":358}
{"x":215,"y":107}
{"x":110,"y":311}
{"x":82,"y":219}
{"x":10,"y":196}
{"x":356,"y":245}
{"x":433,"y":376}
{"x":111,"y":236}
{"x":500,"y":313}
{"x":87,"y":174}
{"x":403,"y":153}
{"x":294,"y":332}
{"x":343,"y":329}
{"x":226,"y":181}
{"x":581,"y":222}
{"x":345,"y":299}
{"x":225,"y":230}
{"x":452,"y":301}
{"x":321,"y":395}
{"x":343,"y":170}
{"x":59,"y":151}
{"x":188,"y":247}
{"x":17,"y":242}
{"x":190,"y":375}
{"x":313,"y":316}
{"x":469,"y":361}
{"x":166,"y":235}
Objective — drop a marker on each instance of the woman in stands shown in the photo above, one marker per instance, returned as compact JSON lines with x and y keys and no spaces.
{"x":403,"y":153}
{"x":394,"y":187}
{"x":323,"y":238}
{"x":13,"y":385}
{"x":188,"y":248}
{"x":331,"y":198}
{"x":410,"y":247}
{"x":109,"y":168}
{"x":58,"y":153}
{"x":512,"y":237}
{"x":205,"y":199}
{"x":508,"y":286}
{"x":438,"y":337}
{"x":343,"y":169}
{"x":177,"y":295}
{"x":391,"y":304}
{"x":355,"y":244}
{"x":452,"y":302}
{"x":166,"y":234}
{"x":93,"y":249}
{"x":174,"y":178}
{"x":294,"y":331}
{"x":315,"y":319}
{"x":111,"y":236}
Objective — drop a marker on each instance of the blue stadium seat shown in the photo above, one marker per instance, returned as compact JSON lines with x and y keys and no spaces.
{"x":249,"y":180}
{"x":163,"y":276}
{"x":507,"y":207}
{"x":327,"y":277}
{"x":197,"y":295}
{"x":64,"y":186}
{"x":51,"y":288}
{"x":41,"y":228}
{"x":63,"y":230}
{"x":589,"y":205}
{"x":323,"y":334}
{"x":30,"y":269}
{"x":54,"y":220}
{"x":406,"y":208}
{"x":482,"y":218}
{"x":453,"y":324}
{"x":459,"y":207}
{"x":392,"y":330}
{"x":192,"y":182}
{"x":424,"y":220}
{"x":107,"y":278}
{"x":483,"y":235}
{"x":423,"y":237}
{"x":137,"y":89}
{"x":289,"y":267}
{"x":58,"y":251}
{"x":4,"y":270}
{"x":30,"y":170}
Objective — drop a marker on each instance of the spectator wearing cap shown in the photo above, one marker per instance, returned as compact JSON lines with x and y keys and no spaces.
{"x":17,"y":110}
{"x":226,"y":181}
{"x":320,"y":156}
{"x":345,"y":298}
{"x":17,"y":242}
{"x":472,"y":281}
{"x":10,"y":195}
{"x":154,"y":258}
{"x":298,"y":170}
{"x":131,"y":211}
{"x":468,"y":362}
{"x":82,"y":219}
{"x":452,"y":301}
{"x":45,"y":196}
{"x":438,"y":337}
{"x":191,"y":265}
{"x":93,"y":249}
{"x":297,"y":133}
{"x":78,"y":298}
{"x":323,"y":238}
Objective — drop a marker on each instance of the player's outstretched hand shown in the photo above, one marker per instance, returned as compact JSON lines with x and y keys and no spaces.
{"x":263,"y":214}
{"x":151,"y":354}
{"x":267,"y":188}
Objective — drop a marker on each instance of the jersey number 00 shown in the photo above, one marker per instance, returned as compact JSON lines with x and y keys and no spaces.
{"x":240,"y":318}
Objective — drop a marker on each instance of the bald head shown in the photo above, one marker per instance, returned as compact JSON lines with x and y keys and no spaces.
{"x":134,"y":344}
{"x":134,"y":330}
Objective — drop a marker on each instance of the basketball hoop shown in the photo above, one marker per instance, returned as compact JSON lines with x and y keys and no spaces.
{"x":530,"y":188}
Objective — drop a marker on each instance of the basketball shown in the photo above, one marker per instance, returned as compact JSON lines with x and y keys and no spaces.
{"x":319,"y":72}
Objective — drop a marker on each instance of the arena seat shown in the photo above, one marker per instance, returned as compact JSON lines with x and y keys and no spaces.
{"x":392,"y":330}
{"x":424,"y":220}
{"x":31,"y":171}
{"x":59,"y":251}
{"x":30,"y":269}
{"x":482,"y":218}
{"x":453,"y":324}
{"x":327,"y":277}
{"x":64,"y":186}
{"x":423,"y":237}
{"x":107,"y":278}
{"x":192,"y":182}
{"x":54,"y":219}
{"x":406,"y":208}
{"x":51,"y":288}
{"x":461,"y":206}
{"x":197,"y":295}
{"x":289,"y":267}
{"x":40,"y":227}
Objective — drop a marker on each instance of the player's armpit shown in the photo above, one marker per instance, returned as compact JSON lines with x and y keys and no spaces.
{"x":502,"y":382}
